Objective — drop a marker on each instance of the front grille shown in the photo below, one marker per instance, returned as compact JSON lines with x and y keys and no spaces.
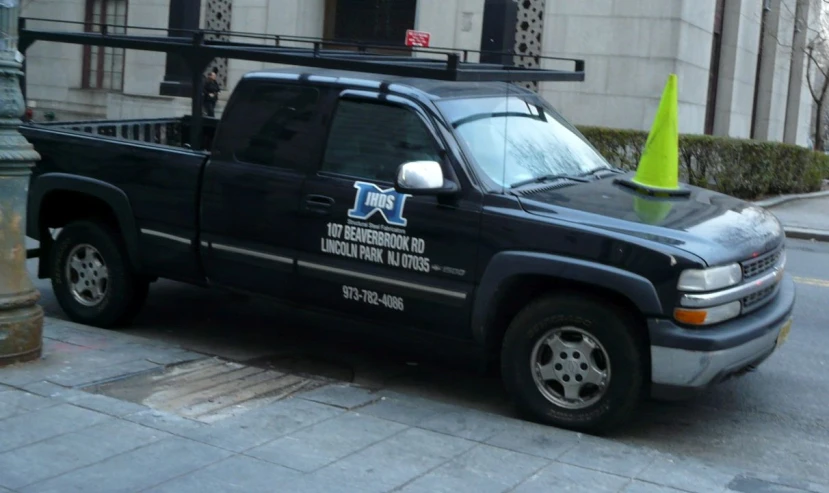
{"x":759,"y":266}
{"x":759,"y":286}
{"x":757,"y":298}
{"x":755,"y":268}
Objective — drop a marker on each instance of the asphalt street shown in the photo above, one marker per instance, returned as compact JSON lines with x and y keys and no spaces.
{"x":774,"y":420}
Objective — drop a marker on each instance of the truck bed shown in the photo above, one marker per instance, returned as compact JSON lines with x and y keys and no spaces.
{"x":144,"y":165}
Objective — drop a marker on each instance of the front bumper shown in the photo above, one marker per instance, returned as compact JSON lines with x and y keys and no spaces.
{"x":686,"y":361}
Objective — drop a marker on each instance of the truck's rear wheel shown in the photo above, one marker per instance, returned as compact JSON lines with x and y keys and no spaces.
{"x":574,"y":363}
{"x":92,"y":278}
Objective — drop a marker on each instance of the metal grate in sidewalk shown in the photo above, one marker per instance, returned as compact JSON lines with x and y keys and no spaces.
{"x":208,"y":389}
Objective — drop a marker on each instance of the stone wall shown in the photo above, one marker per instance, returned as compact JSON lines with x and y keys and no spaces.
{"x":53,"y":70}
{"x":630,"y":47}
{"x":452,"y":23}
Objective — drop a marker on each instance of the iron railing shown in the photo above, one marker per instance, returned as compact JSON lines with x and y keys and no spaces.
{"x":164,"y":131}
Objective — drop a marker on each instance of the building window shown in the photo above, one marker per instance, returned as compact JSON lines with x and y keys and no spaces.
{"x":103,"y":67}
{"x":377,"y":22}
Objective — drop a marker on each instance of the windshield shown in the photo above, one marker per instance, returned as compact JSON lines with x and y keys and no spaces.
{"x":514,"y":140}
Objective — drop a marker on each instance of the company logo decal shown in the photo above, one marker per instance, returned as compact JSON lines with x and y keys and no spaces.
{"x":371,"y":199}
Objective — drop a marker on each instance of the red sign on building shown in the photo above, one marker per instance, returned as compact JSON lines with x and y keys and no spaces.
{"x":417,"y":38}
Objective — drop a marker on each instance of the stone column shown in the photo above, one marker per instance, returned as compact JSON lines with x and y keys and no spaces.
{"x":184,"y":18}
{"x":796,"y":72}
{"x":21,"y":318}
{"x":726,"y":80}
{"x":768,"y":63}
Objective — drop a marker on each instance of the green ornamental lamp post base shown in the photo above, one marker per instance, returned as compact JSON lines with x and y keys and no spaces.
{"x":21,"y":318}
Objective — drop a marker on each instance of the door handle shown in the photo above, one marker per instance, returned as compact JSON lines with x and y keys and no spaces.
{"x":318,"y":204}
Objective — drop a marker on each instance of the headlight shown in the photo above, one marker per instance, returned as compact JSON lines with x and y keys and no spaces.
{"x":710,"y":279}
{"x":708,"y":316}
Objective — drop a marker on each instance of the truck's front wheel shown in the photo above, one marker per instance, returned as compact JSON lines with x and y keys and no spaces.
{"x":92,"y":278}
{"x":575,"y":363}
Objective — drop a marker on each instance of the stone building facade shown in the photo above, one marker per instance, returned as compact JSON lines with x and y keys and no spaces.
{"x":740,"y":63}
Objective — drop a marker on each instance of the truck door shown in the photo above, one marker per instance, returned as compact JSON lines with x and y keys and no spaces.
{"x":267,"y":142}
{"x":369,"y":252}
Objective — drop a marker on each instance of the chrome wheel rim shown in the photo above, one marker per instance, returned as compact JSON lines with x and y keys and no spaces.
{"x":570,"y":367}
{"x":87,"y":275}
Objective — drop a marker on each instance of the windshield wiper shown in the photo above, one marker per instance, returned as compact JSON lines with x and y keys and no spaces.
{"x":545,"y":178}
{"x":596,"y":171}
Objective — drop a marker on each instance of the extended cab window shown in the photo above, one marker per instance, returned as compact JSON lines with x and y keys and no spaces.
{"x":371,"y":140}
{"x":271,"y":124}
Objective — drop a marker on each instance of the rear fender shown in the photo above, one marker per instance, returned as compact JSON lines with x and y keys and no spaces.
{"x":112,"y":196}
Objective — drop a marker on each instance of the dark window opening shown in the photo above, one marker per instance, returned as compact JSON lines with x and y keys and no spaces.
{"x":498,"y":31}
{"x":377,"y":22}
{"x":714,"y":74}
{"x":756,"y":102}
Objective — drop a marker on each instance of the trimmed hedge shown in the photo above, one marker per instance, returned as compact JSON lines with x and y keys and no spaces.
{"x":744,"y":168}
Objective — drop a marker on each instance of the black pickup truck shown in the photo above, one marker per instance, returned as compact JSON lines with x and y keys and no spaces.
{"x":468,"y":214}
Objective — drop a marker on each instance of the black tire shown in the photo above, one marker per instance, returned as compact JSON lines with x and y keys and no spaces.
{"x":622,"y":339}
{"x":125,"y":291}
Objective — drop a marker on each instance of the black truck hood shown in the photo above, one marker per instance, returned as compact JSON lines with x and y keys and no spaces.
{"x":713,"y":226}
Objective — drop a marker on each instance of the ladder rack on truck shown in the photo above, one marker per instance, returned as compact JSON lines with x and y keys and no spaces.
{"x":198,"y":51}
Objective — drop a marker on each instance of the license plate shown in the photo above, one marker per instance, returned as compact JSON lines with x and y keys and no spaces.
{"x":784,"y":333}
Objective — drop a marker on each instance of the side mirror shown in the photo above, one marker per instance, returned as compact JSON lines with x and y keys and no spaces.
{"x":423,"y":178}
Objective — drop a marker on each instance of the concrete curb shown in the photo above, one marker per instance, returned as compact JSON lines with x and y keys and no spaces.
{"x":806,"y":234}
{"x":788,"y":198}
{"x":794,"y":232}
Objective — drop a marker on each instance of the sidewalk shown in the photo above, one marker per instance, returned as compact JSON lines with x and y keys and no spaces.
{"x":803,"y":218}
{"x":207,"y":432}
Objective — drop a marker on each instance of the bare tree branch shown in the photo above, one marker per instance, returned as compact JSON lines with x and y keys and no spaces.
{"x":809,"y":78}
{"x":816,"y":49}
{"x":818,"y":32}
{"x":820,"y":65}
